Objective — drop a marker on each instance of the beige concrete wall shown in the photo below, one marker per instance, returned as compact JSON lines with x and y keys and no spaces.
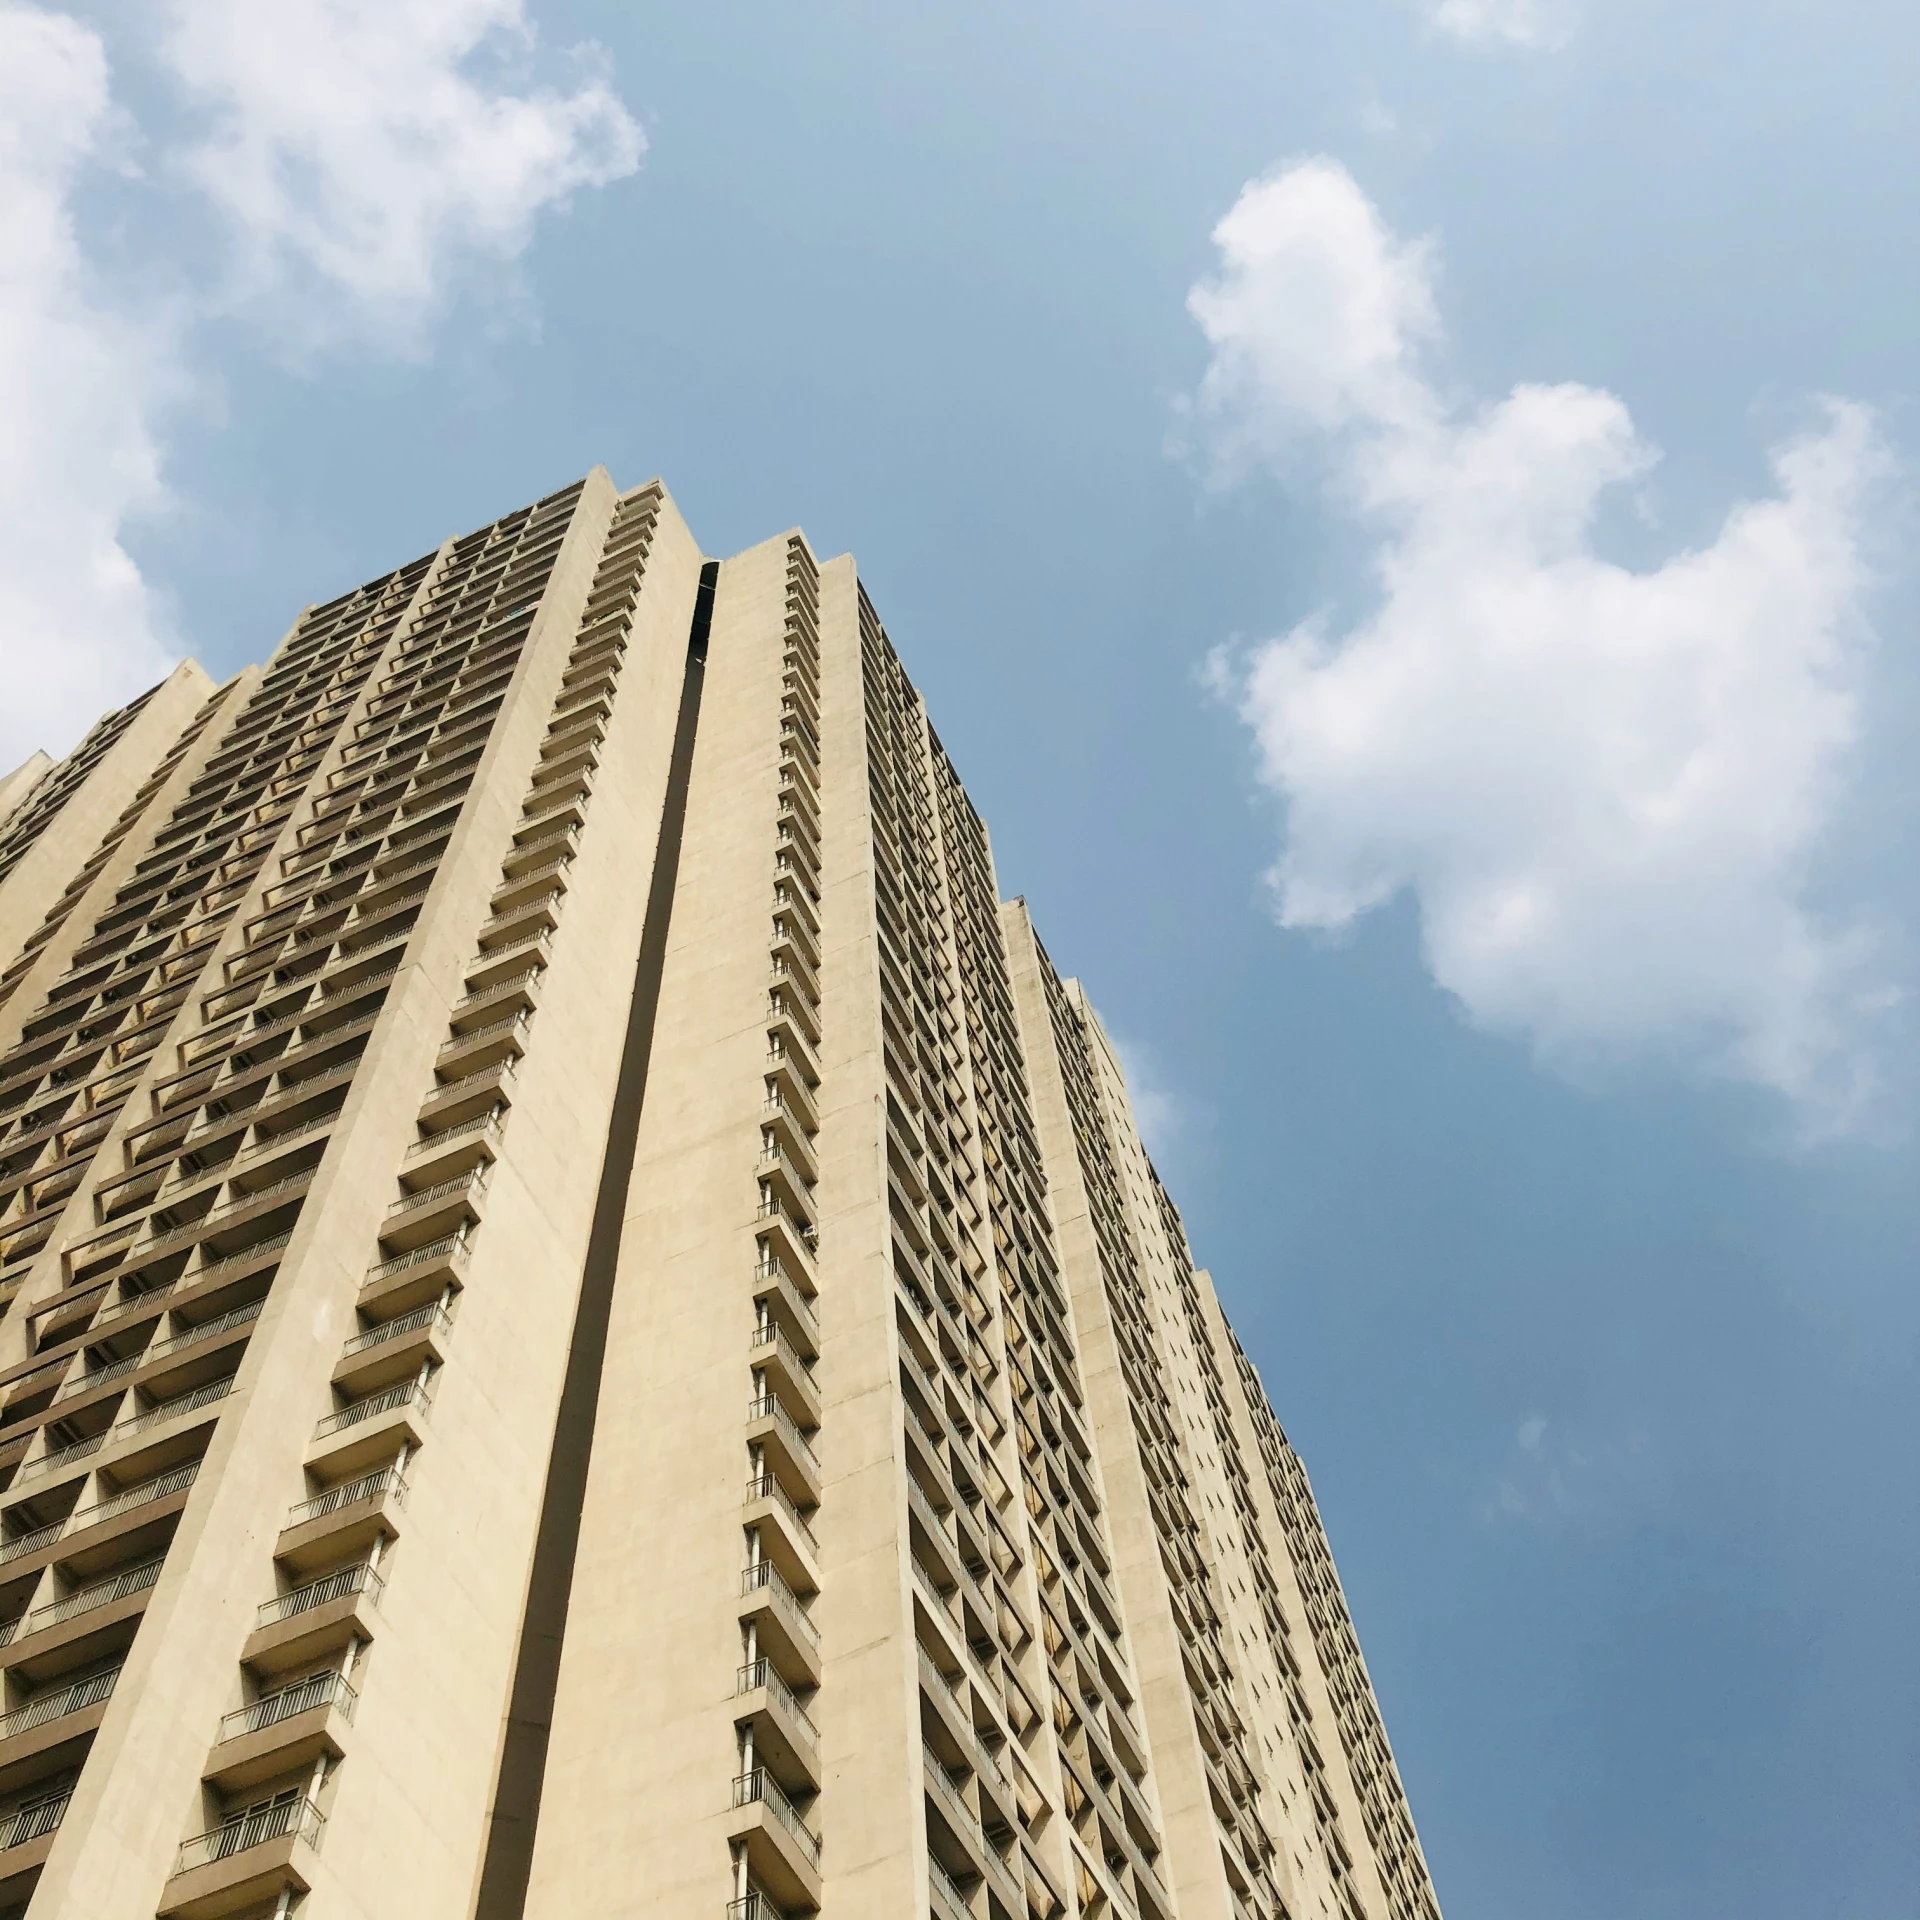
{"x":641,"y":1760}
{"x":875,"y":1855}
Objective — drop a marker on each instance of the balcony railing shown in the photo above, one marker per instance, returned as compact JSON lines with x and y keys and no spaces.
{"x":765,"y":1486}
{"x":254,"y":1829}
{"x":370,"y":1486}
{"x":436,"y":1142}
{"x":474,"y":1180}
{"x":58,"y":1702}
{"x":102,"y":1593}
{"x":316,"y":1690}
{"x":403,"y":1393}
{"x":763,"y":1574}
{"x":35,"y":1821}
{"x":359,"y":1578}
{"x":203,"y":1396}
{"x":765,"y":1407}
{"x":135,"y":1496}
{"x":206,"y":1330}
{"x":433,"y":1314}
{"x":758,"y":1674}
{"x":760,"y":1785}
{"x":452,"y":1244}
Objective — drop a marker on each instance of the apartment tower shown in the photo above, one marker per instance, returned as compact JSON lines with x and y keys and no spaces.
{"x":586,"y":1325}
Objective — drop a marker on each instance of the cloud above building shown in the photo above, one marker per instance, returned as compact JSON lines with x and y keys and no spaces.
{"x":365,"y":159}
{"x":1608,"y":789}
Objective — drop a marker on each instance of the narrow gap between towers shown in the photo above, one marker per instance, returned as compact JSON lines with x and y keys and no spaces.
{"x":505,"y":1871}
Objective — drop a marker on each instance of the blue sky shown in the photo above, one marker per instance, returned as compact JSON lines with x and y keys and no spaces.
{"x":1434,"y":650}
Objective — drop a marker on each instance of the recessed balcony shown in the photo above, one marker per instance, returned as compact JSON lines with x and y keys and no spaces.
{"x":90,"y":1609}
{"x":63,"y":1712}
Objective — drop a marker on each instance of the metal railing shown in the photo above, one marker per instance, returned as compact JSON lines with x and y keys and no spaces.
{"x":764,"y":1575}
{"x":203,"y":1396}
{"x":359,"y":1578}
{"x":403,"y":1393}
{"x":36,"y":1820}
{"x":763,"y":1674}
{"x":764,"y":1486}
{"x":766,"y":1407}
{"x":64,"y":1456}
{"x":473,"y":1180}
{"x":760,"y":1785}
{"x":316,"y":1690}
{"x":476,"y":1034}
{"x":370,"y":1486}
{"x":206,"y":1330}
{"x":453,"y":1243}
{"x":480,"y":1123}
{"x":434,"y":1315}
{"x":496,"y":986}
{"x":501,"y":1070}
{"x":102,"y":1593}
{"x":254,"y":1829}
{"x":99,"y":1377}
{"x":135,"y":1496}
{"x":58,"y":1702}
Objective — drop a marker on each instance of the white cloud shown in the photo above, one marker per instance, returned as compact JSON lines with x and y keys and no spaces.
{"x":358,"y":148}
{"x":363,"y":152}
{"x":1608,"y":790}
{"x":78,"y":384}
{"x":1514,"y":23}
{"x":1161,"y":1115}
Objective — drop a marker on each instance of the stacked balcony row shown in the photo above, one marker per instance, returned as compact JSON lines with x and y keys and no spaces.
{"x":81,"y":1055}
{"x":774,"y":1843}
{"x":335,"y":928}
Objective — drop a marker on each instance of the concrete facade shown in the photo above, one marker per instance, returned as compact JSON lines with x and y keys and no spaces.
{"x":586,"y":1326}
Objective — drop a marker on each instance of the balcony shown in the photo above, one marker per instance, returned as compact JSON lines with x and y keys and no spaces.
{"x":245,"y":1861}
{"x":470,"y":1095}
{"x":431,"y":1213}
{"x":771,"y":1428}
{"x":440,"y":1156}
{"x":783,"y":1852}
{"x":352,"y":1437}
{"x":794,"y":1246}
{"x":344,"y":1519}
{"x":786,"y":1632}
{"x":383,"y":1353}
{"x":787,"y":1298}
{"x":281,"y":1731}
{"x":297,"y":1627}
{"x":65,"y":1711}
{"x":774,"y":1354}
{"x":785,"y":1537}
{"x":785,"y":1740}
{"x":412,"y":1279}
{"x":26,"y":1838}
{"x":99,"y":1604}
{"x":475,"y":1048}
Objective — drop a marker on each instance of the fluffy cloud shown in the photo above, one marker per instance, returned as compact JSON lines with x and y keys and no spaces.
{"x":78,"y":382}
{"x":1514,"y":23}
{"x":359,"y":153}
{"x":1607,"y":789}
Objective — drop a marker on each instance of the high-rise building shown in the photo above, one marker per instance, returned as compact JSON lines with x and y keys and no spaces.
{"x":587,"y":1328}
